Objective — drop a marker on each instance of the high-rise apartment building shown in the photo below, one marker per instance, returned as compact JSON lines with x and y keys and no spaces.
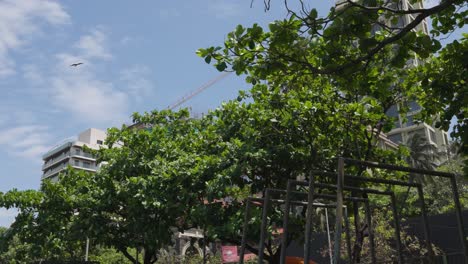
{"x":71,"y":153}
{"x":406,"y":126}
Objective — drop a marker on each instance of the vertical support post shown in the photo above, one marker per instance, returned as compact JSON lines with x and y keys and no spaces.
{"x":244,"y":232}
{"x":204,"y":245}
{"x":339,"y":210}
{"x":263,"y":230}
{"x":308,"y":229}
{"x":461,"y":230}
{"x":87,"y":249}
{"x":371,"y":232}
{"x":328,"y":236}
{"x":284,"y":238}
{"x":425,"y":221}
{"x":348,"y":235}
{"x":396,"y":220}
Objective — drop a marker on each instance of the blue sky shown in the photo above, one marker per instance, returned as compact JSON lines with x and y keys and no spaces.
{"x":138,"y":56}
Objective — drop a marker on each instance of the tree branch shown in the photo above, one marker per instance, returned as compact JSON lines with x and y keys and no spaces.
{"x":126,"y":254}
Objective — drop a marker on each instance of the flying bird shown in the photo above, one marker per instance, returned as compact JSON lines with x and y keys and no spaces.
{"x":76,"y":64}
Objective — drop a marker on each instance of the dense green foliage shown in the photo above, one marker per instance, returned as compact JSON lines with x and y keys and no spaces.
{"x":321,"y":87}
{"x":350,"y":43}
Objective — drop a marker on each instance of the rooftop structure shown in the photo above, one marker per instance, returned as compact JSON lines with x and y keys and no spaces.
{"x":70,"y":153}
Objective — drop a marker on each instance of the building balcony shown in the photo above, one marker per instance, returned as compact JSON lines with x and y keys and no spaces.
{"x":54,"y":171}
{"x":82,"y":155}
{"x":55,"y":160}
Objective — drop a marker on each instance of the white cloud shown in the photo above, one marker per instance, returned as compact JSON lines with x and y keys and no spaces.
{"x":136,"y":83}
{"x":79,"y":91}
{"x":27,"y":141}
{"x":19,"y":21}
{"x":88,"y":98}
{"x":93,"y":45}
{"x":125,"y":40}
{"x":225,"y":9}
{"x":6,"y":65}
{"x":32,"y":73}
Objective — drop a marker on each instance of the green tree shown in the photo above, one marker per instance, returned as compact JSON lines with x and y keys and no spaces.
{"x":44,"y":224}
{"x":443,"y":88}
{"x":320,"y":89}
{"x":349,"y":40}
{"x":362,"y":51}
{"x":280,"y":135}
{"x":154,"y":182}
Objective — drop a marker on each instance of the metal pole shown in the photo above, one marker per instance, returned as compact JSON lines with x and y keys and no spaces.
{"x":244,"y":233}
{"x":329,"y":239}
{"x":87,"y":249}
{"x":397,"y":228}
{"x":308,"y":231}
{"x":427,"y":231}
{"x":263,"y":230}
{"x":204,"y":245}
{"x":461,"y":227}
{"x":348,"y":235}
{"x":371,"y":232}
{"x":284,"y":238}
{"x":339,"y":210}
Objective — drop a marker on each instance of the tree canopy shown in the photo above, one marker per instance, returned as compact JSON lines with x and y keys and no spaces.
{"x":321,"y":88}
{"x":353,"y":42}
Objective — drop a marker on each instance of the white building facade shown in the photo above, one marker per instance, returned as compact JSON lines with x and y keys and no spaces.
{"x":71,"y":153}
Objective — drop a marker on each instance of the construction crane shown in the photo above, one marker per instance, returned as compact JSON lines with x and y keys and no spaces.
{"x":187,"y":97}
{"x":197,"y":91}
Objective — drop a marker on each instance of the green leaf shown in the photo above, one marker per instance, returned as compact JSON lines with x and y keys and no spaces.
{"x":313,"y":14}
{"x":221,"y":66}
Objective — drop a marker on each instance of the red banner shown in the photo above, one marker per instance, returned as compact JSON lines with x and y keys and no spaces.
{"x":229,"y":254}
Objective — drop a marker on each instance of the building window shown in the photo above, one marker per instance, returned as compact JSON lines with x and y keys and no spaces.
{"x":86,"y":164}
{"x":396,"y":138}
{"x":410,"y":121}
{"x":78,"y":151}
{"x":413,"y":106}
{"x":100,"y":142}
{"x":397,"y":123}
{"x":77,"y":162}
{"x":392,"y":111}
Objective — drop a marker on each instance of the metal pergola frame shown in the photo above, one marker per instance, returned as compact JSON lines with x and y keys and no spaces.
{"x":293,"y":183}
{"x":266,"y":204}
{"x":366,"y":164}
{"x":339,"y":205}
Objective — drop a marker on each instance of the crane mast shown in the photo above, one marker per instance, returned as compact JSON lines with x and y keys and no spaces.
{"x":197,"y":91}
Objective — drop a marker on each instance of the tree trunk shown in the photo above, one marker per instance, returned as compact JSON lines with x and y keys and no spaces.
{"x":275,"y":259}
{"x":356,"y":257}
{"x":149,"y":256}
